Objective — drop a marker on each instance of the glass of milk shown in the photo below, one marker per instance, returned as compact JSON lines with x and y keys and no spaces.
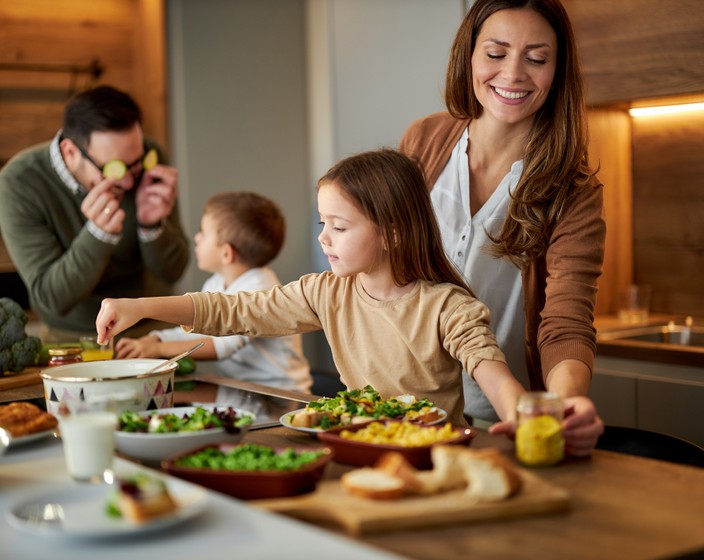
{"x":88,"y":435}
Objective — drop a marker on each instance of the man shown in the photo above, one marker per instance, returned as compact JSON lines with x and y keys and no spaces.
{"x":83,"y":218}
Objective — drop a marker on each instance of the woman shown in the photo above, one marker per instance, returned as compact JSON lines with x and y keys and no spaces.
{"x":520,"y":211}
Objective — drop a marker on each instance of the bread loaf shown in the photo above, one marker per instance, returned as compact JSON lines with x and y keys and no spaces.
{"x":373,"y":484}
{"x":395,"y":464}
{"x":489,"y":475}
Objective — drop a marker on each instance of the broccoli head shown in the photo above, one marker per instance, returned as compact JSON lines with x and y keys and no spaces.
{"x":25,"y":353}
{"x":17,"y":350}
{"x":5,"y":360}
{"x":10,"y":308}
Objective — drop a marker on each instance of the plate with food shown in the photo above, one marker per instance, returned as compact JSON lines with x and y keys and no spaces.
{"x":250,"y":471}
{"x":363,"y":445}
{"x":359,"y":406}
{"x":157,"y":434}
{"x":26,"y":422}
{"x":137,"y":503}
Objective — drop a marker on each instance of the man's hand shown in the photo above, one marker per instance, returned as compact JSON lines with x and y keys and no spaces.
{"x":156,"y":195}
{"x":102,"y":207}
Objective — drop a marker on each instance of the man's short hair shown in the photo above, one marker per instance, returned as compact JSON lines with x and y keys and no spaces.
{"x":100,"y":109}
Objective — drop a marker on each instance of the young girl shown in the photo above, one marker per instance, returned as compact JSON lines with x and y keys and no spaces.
{"x":395,"y":312}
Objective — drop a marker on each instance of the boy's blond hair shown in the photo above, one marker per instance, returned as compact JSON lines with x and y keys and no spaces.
{"x":251,"y":223}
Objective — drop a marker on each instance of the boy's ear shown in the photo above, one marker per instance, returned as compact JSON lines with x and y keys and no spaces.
{"x":229,"y":253}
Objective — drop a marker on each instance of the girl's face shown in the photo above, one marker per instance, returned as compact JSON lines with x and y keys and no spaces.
{"x":209,"y":250}
{"x":513,"y":64}
{"x":351,"y":242}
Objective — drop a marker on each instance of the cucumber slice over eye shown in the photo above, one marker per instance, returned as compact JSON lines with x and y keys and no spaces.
{"x":114,"y":169}
{"x":151,"y":159}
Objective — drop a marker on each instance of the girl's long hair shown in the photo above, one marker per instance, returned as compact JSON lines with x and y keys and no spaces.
{"x":390,"y":191}
{"x":555,"y":162}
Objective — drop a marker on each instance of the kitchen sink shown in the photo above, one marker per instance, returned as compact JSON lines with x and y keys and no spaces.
{"x":666,"y":334}
{"x":670,"y":343}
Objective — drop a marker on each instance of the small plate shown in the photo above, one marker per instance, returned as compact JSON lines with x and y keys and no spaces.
{"x":363,"y":454}
{"x":156,"y":447}
{"x":286,"y":422}
{"x":83,"y":508}
{"x":29,"y":438}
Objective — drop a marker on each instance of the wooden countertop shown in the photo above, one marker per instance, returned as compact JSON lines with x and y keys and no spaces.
{"x":622,"y":507}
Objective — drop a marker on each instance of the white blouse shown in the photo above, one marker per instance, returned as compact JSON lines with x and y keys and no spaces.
{"x":496,"y":282}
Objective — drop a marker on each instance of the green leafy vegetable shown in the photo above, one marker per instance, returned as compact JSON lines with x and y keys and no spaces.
{"x":200,"y":419}
{"x":250,"y":457}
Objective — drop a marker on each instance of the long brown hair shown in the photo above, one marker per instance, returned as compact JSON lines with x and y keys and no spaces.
{"x":389,"y":189}
{"x":555,"y":162}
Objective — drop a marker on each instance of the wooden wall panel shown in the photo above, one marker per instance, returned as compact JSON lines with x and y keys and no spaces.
{"x":668,"y":162}
{"x":610,"y":151}
{"x":127,"y":37}
{"x":634,"y":49}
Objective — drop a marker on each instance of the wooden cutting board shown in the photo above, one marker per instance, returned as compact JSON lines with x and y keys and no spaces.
{"x":330,"y":504}
{"x":28,"y":376}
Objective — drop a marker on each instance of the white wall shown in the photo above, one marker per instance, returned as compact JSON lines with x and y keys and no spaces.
{"x":267,"y":94}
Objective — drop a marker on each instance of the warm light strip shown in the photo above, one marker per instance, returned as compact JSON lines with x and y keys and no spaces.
{"x":665,"y":110}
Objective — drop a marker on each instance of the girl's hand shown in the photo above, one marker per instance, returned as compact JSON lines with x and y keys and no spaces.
{"x":115,"y":316}
{"x":507,"y":428}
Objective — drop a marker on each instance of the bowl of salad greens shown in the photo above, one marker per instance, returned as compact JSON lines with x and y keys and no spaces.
{"x":250,"y":471}
{"x":153,"y":435}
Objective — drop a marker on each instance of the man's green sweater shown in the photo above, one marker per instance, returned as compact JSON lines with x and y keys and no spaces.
{"x":66,"y":269}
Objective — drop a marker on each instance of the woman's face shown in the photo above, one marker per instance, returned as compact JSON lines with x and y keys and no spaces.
{"x":513,"y":65}
{"x":349,"y":239}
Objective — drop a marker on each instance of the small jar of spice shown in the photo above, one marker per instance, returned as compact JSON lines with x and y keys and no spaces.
{"x":64,"y":355}
{"x":540,"y":441}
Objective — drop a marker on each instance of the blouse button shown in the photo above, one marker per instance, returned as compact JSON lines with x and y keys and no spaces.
{"x":464,"y":237}
{"x":459,"y":253}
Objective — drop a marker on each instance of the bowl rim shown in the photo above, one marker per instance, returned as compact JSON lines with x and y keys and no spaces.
{"x":55,"y":373}
{"x":169,"y":464}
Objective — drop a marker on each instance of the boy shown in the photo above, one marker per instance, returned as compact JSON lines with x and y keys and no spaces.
{"x":240,"y":234}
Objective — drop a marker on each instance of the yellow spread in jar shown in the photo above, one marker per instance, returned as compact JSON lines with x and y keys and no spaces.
{"x":540,"y":442}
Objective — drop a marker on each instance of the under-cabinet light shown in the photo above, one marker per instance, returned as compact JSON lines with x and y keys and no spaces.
{"x":665,"y":109}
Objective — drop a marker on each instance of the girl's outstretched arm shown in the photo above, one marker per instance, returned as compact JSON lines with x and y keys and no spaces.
{"x":116,"y":315}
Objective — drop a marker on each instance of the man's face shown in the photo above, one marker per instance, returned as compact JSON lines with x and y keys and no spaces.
{"x":127,"y":146}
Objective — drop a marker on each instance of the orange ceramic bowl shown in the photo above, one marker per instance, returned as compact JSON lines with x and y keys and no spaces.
{"x":363,"y":454}
{"x":252,"y":485}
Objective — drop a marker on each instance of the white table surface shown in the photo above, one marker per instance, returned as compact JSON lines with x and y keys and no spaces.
{"x":228,"y":528}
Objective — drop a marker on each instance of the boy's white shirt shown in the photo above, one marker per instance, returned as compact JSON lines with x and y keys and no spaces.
{"x":277,"y":362}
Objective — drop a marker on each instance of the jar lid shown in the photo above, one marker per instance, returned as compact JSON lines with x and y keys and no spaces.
{"x":65,"y":351}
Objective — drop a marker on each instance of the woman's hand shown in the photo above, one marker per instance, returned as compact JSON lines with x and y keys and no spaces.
{"x":582,"y":426}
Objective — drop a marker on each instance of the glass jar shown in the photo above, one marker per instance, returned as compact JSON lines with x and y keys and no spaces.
{"x":540,"y":441}
{"x":64,"y":355}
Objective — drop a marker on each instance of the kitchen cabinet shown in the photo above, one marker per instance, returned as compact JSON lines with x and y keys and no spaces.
{"x":635,"y":49}
{"x":652,"y":396}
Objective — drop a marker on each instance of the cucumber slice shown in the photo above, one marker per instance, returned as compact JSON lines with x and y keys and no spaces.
{"x":151,"y":159}
{"x":114,"y":169}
